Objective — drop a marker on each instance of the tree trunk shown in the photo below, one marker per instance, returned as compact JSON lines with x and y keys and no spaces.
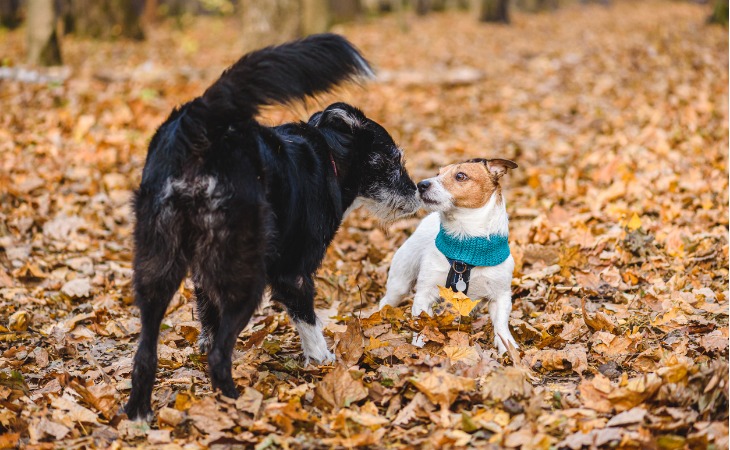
{"x":494,"y":11}
{"x":106,"y":19}
{"x":719,"y":12}
{"x":422,"y":7}
{"x":315,"y":16}
{"x":535,"y":6}
{"x":9,"y":13}
{"x":269,"y":22}
{"x":438,"y":5}
{"x":44,"y":46}
{"x":344,"y":10}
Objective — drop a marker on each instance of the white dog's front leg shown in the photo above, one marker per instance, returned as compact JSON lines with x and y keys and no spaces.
{"x":394,"y":294}
{"x":499,"y":311}
{"x":403,"y":271}
{"x":422,"y":303}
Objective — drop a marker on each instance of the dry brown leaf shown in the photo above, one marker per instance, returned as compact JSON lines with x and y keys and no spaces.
{"x":599,"y":322}
{"x":636,"y":391}
{"x":505,"y":383}
{"x":418,"y":403}
{"x":594,"y":393}
{"x":351,"y":345}
{"x":208,"y":416}
{"x":339,"y":388}
{"x":441,"y":387}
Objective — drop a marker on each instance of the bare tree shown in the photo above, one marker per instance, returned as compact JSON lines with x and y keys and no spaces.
{"x":494,"y":11}
{"x":315,"y":16}
{"x":344,"y":10}
{"x":537,"y":5}
{"x":269,"y":22}
{"x":9,"y":13}
{"x":44,"y":46}
{"x":105,"y":18}
{"x":719,"y":12}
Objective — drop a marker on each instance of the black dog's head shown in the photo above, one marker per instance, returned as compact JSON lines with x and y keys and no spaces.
{"x":368,"y":158}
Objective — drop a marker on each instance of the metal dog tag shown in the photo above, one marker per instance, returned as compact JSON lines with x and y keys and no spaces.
{"x":461,"y":284}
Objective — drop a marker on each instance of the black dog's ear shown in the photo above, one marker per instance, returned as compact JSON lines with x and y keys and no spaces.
{"x":499,"y":167}
{"x":339,"y":116}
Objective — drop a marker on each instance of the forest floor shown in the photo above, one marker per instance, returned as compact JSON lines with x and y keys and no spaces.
{"x":618,"y":119}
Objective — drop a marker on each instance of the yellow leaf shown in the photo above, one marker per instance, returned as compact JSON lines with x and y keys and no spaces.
{"x":19,"y":321}
{"x":457,"y":301}
{"x":468,"y":355}
{"x":635,"y":223}
{"x":183,"y":401}
{"x":375,"y":343}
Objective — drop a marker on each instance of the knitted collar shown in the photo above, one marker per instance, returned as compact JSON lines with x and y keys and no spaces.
{"x":478,"y":251}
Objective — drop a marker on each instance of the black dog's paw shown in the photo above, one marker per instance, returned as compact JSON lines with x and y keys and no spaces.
{"x":138,"y":412}
{"x":228,"y":390}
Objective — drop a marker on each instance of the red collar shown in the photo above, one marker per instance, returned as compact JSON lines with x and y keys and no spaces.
{"x":334,"y":166}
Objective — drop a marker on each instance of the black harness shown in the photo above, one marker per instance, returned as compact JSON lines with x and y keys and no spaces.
{"x":459,"y":275}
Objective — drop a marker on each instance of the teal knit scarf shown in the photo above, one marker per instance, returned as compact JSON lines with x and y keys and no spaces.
{"x":479,"y":251}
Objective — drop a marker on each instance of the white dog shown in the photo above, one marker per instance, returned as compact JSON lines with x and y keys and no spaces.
{"x":462,"y":245}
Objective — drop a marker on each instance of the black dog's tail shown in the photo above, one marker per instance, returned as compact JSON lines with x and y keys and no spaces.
{"x":270,"y":76}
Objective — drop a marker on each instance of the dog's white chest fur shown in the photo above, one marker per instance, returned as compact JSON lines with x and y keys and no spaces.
{"x":485,"y":282}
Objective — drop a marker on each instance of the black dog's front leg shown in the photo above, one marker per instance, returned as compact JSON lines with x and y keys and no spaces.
{"x":297,"y":294}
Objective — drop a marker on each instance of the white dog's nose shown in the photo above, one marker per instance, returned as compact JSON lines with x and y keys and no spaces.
{"x":423,"y":186}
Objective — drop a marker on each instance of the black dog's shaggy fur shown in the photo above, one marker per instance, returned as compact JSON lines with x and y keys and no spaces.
{"x":242,"y":206}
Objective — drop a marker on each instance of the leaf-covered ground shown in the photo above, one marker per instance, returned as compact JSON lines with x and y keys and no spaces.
{"x":618,"y":118}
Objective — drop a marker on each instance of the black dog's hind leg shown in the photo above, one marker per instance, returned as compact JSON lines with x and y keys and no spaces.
{"x":158,"y":274}
{"x":238,"y":303}
{"x":236,"y":286}
{"x":297,"y":295}
{"x":209,"y":316}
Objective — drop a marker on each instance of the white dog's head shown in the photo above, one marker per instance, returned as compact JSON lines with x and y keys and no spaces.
{"x":464,"y":185}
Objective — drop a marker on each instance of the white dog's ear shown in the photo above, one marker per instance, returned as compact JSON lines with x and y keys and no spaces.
{"x":499,"y":167}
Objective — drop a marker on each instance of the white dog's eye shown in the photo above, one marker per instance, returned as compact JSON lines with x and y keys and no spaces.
{"x":461,"y":176}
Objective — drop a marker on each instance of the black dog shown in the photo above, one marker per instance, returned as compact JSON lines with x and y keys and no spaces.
{"x":242,"y":206}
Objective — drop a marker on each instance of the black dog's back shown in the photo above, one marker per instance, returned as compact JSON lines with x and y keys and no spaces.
{"x":204,"y":201}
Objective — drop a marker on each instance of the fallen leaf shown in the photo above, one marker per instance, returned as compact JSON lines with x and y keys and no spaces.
{"x":19,"y":321}
{"x":351,"y":345}
{"x":456,"y":301}
{"x":466,"y":355}
{"x":208,"y":417}
{"x":77,"y":288}
{"x":339,"y":389}
{"x":632,"y":416}
{"x":441,"y":387}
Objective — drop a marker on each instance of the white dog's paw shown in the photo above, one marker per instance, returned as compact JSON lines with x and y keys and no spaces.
{"x":501,"y":340}
{"x":419,"y":307}
{"x":383,"y":302}
{"x":418,"y":340}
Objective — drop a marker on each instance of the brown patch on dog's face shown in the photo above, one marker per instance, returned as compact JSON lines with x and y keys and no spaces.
{"x":465,"y":185}
{"x":470,"y":184}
